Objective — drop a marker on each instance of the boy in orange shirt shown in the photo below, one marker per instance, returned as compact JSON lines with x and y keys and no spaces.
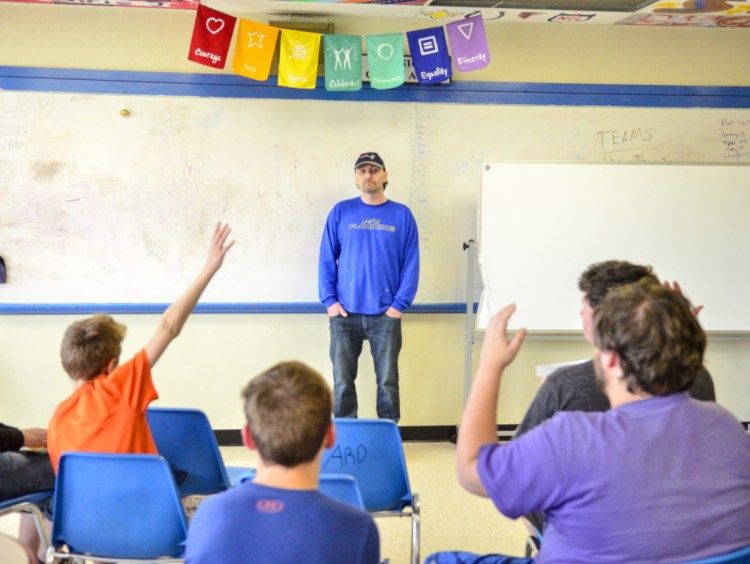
{"x":107,"y":410}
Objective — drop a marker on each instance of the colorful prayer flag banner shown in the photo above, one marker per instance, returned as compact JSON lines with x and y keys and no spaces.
{"x":212,"y":34}
{"x":429,"y":54}
{"x":468,"y":44}
{"x":343,"y":62}
{"x":253,"y":52}
{"x":298,"y":59}
{"x":385,"y":59}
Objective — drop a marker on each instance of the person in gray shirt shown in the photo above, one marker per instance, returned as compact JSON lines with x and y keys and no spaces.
{"x":574,"y":388}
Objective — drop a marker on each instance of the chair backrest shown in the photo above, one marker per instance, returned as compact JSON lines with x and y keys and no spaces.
{"x":740,"y":556}
{"x":371,"y":451}
{"x":342,"y":487}
{"x":118,"y":506}
{"x":185,"y":438}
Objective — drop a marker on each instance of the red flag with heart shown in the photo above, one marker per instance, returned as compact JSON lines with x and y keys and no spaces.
{"x":212,"y":35}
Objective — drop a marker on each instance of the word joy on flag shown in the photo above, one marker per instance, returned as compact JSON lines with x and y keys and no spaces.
{"x":253,"y":52}
{"x":212,"y":34}
{"x":468,"y":44}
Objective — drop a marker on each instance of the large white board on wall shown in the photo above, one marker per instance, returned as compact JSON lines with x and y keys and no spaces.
{"x":97,"y":207}
{"x":542,"y":224}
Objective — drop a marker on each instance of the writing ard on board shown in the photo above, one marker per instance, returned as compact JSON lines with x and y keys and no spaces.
{"x":542,"y":224}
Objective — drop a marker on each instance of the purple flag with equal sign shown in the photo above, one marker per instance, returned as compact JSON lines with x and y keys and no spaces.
{"x":468,"y":44}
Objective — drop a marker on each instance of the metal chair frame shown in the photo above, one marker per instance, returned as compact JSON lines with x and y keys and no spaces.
{"x":27,"y":504}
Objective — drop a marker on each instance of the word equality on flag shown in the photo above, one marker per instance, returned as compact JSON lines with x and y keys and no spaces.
{"x":254,"y":50}
{"x":385,"y":60}
{"x":429,"y":53}
{"x":468,"y":44}
{"x":212,"y":34}
{"x":298,"y":59}
{"x":343,"y":62}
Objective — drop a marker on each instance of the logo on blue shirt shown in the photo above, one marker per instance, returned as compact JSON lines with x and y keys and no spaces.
{"x":373,"y":224}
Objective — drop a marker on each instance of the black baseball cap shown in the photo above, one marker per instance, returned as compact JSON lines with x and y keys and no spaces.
{"x":369,"y":158}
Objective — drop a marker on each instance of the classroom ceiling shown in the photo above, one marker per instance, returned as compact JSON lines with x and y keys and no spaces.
{"x":683,"y":13}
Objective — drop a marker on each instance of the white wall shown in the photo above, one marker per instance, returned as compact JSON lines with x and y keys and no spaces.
{"x":216,"y":355}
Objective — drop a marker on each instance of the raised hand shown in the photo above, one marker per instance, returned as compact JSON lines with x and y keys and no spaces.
{"x":674,"y":285}
{"x":219,"y":247}
{"x":498,"y":351}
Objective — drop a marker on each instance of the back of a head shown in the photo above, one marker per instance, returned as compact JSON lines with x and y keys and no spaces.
{"x":601,"y":277}
{"x":657,"y":338}
{"x":288,"y":410}
{"x":90,"y":344}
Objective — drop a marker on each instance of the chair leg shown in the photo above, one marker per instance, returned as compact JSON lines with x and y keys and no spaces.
{"x":415,"y":530}
{"x":29,"y":508}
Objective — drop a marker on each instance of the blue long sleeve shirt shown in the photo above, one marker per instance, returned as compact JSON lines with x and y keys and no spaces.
{"x":369,"y":257}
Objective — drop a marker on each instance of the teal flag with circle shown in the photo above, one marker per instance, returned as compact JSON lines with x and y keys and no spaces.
{"x":343,"y":62}
{"x":385,"y":60}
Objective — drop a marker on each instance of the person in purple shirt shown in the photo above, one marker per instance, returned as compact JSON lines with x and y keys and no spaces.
{"x":660,"y":477}
{"x":368,"y":273}
{"x":574,"y":388}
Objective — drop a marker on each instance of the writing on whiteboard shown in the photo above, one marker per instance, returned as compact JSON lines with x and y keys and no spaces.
{"x":734,"y":139}
{"x":634,"y":144}
{"x":25,"y":105}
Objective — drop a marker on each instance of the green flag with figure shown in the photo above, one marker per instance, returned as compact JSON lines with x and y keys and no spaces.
{"x":343,"y":62}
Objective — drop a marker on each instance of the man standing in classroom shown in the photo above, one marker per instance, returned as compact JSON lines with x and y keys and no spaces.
{"x":367,"y":276}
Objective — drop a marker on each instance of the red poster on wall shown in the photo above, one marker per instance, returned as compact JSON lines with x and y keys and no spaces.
{"x":212,"y":34}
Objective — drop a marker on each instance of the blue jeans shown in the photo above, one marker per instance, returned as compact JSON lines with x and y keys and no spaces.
{"x":347,"y":336}
{"x":23,"y":473}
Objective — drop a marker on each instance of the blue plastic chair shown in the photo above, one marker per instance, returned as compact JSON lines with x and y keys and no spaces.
{"x":116,"y":507}
{"x":29,"y":504}
{"x":740,"y":556}
{"x":342,"y":487}
{"x":370,"y":450}
{"x":185,"y":438}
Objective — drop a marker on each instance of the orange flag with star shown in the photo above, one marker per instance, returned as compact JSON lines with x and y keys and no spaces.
{"x":298,"y":58}
{"x":253,"y":51}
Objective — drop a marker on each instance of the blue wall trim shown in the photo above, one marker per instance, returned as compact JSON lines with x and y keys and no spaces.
{"x":224,"y":308}
{"x":458,"y":92}
{"x":232,"y":86}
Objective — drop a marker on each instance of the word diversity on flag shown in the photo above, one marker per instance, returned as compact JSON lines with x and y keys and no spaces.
{"x":342,"y":54}
{"x":469,"y":44}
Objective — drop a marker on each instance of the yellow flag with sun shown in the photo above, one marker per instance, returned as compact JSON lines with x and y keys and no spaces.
{"x":298,"y":59}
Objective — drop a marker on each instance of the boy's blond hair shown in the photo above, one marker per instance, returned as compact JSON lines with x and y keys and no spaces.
{"x":89,"y":345}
